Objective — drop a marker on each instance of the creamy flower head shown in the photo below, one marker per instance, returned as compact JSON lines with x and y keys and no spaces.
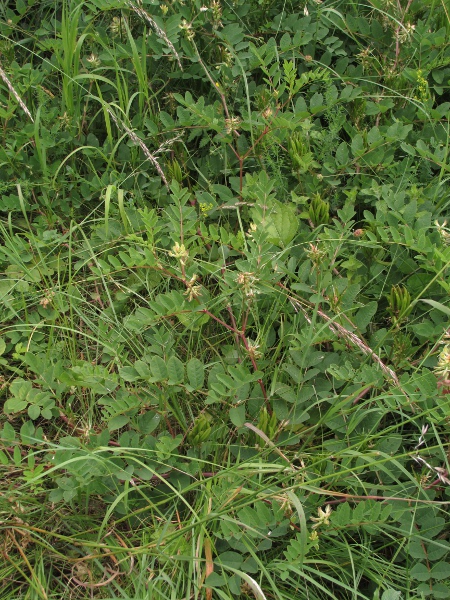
{"x":323,"y":518}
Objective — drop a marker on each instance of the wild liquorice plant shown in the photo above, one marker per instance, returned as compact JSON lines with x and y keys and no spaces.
{"x":223,"y":286}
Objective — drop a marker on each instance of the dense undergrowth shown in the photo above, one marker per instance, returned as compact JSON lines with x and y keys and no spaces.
{"x":224,"y":299}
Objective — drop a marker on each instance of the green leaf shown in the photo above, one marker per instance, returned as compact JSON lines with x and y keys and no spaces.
{"x":2,"y":346}
{"x":14,"y":405}
{"x":358,"y":145}
{"x":441,"y":591}
{"x":237,"y":415}
{"x":215,"y":580}
{"x":364,"y":315}
{"x":34,"y":411}
{"x":7,"y":434}
{"x":342,"y":154}
{"x":441,"y":570}
{"x":159,"y":369}
{"x":142,"y":368}
{"x":118,"y":422}
{"x":129,"y":374}
{"x":391,"y":595}
{"x":420,"y":572}
{"x":282,"y":224}
{"x":196,"y":373}
{"x":148,"y":422}
{"x":175,"y":370}
{"x":17,"y":456}
{"x":230,"y":559}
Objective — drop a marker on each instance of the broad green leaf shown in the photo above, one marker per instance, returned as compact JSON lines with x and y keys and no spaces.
{"x":420,"y":572}
{"x":440,"y":590}
{"x":129,"y":374}
{"x":215,"y":580}
{"x":237,"y":415}
{"x":196,"y":373}
{"x":118,"y":422}
{"x":175,"y":370}
{"x":391,"y":595}
{"x":14,"y":405}
{"x":357,"y":145}
{"x":440,"y":570}
{"x":7,"y":433}
{"x":142,"y":368}
{"x":17,"y":456}
{"x":34,"y":411}
{"x":159,"y":369}
{"x":364,"y":315}
{"x":230,"y":559}
{"x":282,"y":224}
{"x":148,"y":422}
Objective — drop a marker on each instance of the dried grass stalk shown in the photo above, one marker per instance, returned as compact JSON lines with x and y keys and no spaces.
{"x":15,"y":94}
{"x":159,"y":32}
{"x":141,"y":144}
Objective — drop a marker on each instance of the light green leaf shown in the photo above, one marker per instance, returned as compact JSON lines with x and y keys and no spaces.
{"x":282,"y":224}
{"x":34,"y":411}
{"x":14,"y":405}
{"x":391,"y":595}
{"x":7,"y":434}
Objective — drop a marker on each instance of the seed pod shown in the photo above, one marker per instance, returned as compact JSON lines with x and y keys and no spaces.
{"x":319,"y":211}
{"x":399,"y":303}
{"x":175,"y":171}
{"x":268,"y":424}
{"x":200,"y":432}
